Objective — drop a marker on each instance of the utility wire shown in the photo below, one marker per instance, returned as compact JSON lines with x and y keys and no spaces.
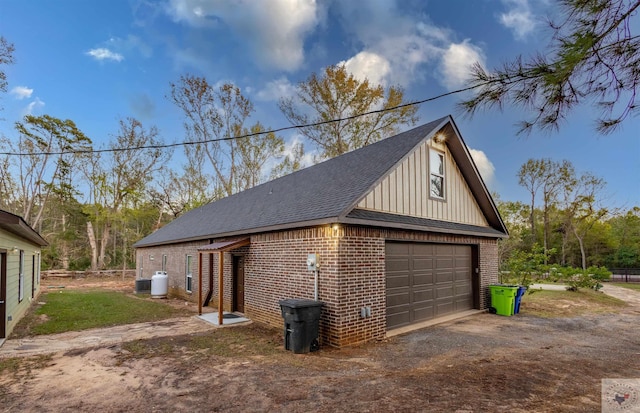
{"x":248,"y":135}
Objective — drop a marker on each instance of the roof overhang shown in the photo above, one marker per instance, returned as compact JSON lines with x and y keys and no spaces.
{"x":386,"y":220}
{"x":17,"y":226}
{"x":225,"y":246}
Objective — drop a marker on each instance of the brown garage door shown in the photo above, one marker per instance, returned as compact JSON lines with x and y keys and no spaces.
{"x":426,"y":281}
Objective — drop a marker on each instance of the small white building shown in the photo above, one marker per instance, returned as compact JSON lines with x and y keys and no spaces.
{"x":20,"y":247}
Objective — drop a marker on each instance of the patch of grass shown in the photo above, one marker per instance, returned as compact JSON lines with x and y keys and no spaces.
{"x":240,"y":341}
{"x":19,"y":366}
{"x":11,"y":365}
{"x":80,"y":310}
{"x":630,"y":286}
{"x":552,"y":304}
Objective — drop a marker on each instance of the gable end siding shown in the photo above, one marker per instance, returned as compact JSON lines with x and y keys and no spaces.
{"x":405,"y":191}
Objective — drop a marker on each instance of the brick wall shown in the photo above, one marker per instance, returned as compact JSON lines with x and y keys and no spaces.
{"x":149,"y":260}
{"x":351,"y":275}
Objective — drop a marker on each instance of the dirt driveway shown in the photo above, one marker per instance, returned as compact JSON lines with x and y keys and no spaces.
{"x":485,"y":363}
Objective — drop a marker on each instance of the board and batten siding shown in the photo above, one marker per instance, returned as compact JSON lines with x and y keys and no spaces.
{"x":405,"y":191}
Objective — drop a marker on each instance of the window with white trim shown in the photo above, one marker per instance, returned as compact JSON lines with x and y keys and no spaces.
{"x":164,"y":263}
{"x":21,"y":277}
{"x":436,"y":174}
{"x":189,"y":274}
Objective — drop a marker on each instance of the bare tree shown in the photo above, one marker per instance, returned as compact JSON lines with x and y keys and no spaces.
{"x":119,"y":180}
{"x":48,"y":160}
{"x":583,"y":210}
{"x":214,"y":118}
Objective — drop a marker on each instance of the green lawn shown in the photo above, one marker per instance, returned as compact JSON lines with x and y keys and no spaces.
{"x":80,"y":310}
{"x":631,"y":286}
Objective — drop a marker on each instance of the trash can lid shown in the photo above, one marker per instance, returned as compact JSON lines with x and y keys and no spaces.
{"x":300,"y":303}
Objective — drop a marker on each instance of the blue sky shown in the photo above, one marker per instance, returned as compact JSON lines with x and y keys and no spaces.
{"x":95,"y":62}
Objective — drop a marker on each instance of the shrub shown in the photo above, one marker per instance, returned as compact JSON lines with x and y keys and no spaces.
{"x":576,"y":278}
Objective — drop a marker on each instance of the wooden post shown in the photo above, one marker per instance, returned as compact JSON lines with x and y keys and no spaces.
{"x":199,"y":283}
{"x":220,"y":286}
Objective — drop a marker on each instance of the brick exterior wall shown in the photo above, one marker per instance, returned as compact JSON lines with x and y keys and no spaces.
{"x":351,"y":274}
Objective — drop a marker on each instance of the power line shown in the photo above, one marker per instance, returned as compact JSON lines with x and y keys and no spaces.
{"x":248,"y":135}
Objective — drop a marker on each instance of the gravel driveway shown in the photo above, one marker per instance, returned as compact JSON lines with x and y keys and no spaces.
{"x":484,"y":363}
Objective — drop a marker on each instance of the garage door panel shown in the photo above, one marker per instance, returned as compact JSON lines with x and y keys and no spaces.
{"x":425,"y":250}
{"x":397,"y":248}
{"x":462,"y":261}
{"x":464,"y":303}
{"x":422,"y":296}
{"x":461,"y":277}
{"x":444,"y":249}
{"x":399,"y":319}
{"x":445,"y":292}
{"x":444,"y":262}
{"x":420,"y":263}
{"x":397,"y":281}
{"x":444,"y":277}
{"x":399,"y":298}
{"x":444,"y":308}
{"x":425,"y":281}
{"x":462,"y":289}
{"x":423,"y":313}
{"x":398,"y":264}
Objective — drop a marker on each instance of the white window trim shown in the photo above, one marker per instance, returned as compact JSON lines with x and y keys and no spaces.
{"x":436,"y":174}
{"x":21,"y":277}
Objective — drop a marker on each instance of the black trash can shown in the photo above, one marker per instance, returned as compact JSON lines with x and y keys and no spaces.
{"x":301,"y":324}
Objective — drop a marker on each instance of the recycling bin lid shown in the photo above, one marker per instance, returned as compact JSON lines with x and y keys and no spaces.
{"x":300,"y":303}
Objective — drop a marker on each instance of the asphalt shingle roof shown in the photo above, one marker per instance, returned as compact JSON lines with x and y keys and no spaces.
{"x":320,"y":192}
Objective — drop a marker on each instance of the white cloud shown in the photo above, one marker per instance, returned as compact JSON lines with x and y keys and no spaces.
{"x":368,"y":65}
{"x":275,"y":30}
{"x":33,"y":107}
{"x":21,"y":92}
{"x":276,"y":89}
{"x":485,"y":166}
{"x":309,"y":156}
{"x":518,"y":18}
{"x":379,"y":30}
{"x":457,"y":61}
{"x":409,"y":44}
{"x":102,"y":53}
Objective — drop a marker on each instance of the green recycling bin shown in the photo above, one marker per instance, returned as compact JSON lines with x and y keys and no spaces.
{"x":503,"y":298}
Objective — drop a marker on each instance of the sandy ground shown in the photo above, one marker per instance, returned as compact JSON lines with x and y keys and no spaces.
{"x":484,"y":363}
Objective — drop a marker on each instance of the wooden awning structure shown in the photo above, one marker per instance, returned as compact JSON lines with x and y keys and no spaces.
{"x":220,"y":248}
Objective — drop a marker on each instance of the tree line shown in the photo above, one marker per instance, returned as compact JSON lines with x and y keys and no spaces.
{"x":566,"y":220}
{"x":91,"y":206}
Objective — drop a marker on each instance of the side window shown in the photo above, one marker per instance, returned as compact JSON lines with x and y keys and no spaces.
{"x":189,"y":274}
{"x":21,"y":277}
{"x":164,"y":263}
{"x":436,"y":174}
{"x":38,"y":269}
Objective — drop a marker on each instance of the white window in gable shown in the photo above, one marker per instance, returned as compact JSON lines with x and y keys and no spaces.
{"x":436,"y":172}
